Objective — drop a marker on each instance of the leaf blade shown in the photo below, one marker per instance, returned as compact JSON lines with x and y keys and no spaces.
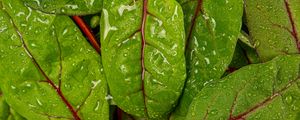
{"x":262,"y":96}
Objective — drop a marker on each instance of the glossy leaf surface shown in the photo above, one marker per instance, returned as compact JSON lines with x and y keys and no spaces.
{"x":212,"y":28}
{"x":143,"y":55}
{"x":69,"y":7}
{"x":48,"y":69}
{"x":274,"y":26}
{"x":256,"y":92}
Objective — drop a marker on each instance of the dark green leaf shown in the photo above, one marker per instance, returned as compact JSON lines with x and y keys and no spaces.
{"x":274,"y":26}
{"x":143,"y":55}
{"x":257,"y":92}
{"x":48,"y":69}
{"x":212,"y":28}
{"x":4,"y":108}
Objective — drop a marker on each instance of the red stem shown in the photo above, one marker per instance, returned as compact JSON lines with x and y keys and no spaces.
{"x":88,"y":32}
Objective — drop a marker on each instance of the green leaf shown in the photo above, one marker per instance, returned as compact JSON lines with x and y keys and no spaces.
{"x":244,"y":37}
{"x":212,"y":28}
{"x":7,"y":113}
{"x":274,"y":26}
{"x":239,"y":59}
{"x":257,"y":92}
{"x":14,"y":115}
{"x":48,"y":69}
{"x":68,"y":7}
{"x":4,"y":108}
{"x":143,"y":55}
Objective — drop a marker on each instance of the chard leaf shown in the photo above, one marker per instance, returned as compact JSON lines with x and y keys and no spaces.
{"x":68,"y":7}
{"x":256,"y":92}
{"x":274,"y":26}
{"x":7,"y":113}
{"x":143,"y":55}
{"x":212,"y":28}
{"x":4,"y":108}
{"x":48,"y":69}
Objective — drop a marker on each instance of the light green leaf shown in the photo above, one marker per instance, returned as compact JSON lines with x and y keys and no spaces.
{"x":244,"y":37}
{"x":143,"y":55}
{"x":68,"y":7}
{"x":274,"y":26}
{"x":256,"y":92}
{"x":48,"y":69}
{"x":212,"y":28}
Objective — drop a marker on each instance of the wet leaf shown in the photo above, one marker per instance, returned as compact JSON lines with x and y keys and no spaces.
{"x":256,"y":92}
{"x":68,"y":7}
{"x":274,"y":26}
{"x":212,"y":28}
{"x":48,"y":69}
{"x":143,"y":55}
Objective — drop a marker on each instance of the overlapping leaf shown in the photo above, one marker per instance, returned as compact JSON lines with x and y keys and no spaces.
{"x":143,"y":55}
{"x":257,"y":92}
{"x":274,"y":26}
{"x":4,"y":108}
{"x":69,"y":7}
{"x":212,"y":28}
{"x":6,"y":113}
{"x":48,"y":70}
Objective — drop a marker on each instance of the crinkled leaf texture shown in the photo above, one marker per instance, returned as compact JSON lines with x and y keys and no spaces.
{"x":68,"y":7}
{"x":48,"y":69}
{"x":274,"y":26}
{"x":256,"y":92}
{"x":143,"y":55}
{"x":212,"y":28}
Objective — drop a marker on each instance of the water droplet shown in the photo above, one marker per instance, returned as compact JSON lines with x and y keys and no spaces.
{"x":107,"y":26}
{"x":13,"y":87}
{"x":213,"y":112}
{"x":108,"y":97}
{"x":33,"y":45}
{"x":39,"y":102}
{"x":289,"y":99}
{"x":175,"y":13}
{"x":162,"y":34}
{"x":207,"y":60}
{"x":214,"y":52}
{"x":29,"y":14}
{"x":95,"y":83}
{"x":65,"y":31}
{"x":123,"y":68}
{"x":72,"y":6}
{"x":122,"y":8}
{"x":97,"y":106}
{"x":30,"y":105}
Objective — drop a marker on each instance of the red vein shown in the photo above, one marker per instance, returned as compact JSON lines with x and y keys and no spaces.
{"x":294,"y":30}
{"x":262,"y":104}
{"x":119,"y":114}
{"x":88,"y":33}
{"x":197,"y":11}
{"x":145,"y":3}
{"x":57,"y":89}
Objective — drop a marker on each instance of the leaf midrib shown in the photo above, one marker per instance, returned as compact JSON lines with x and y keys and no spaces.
{"x":263,"y":103}
{"x":48,"y":80}
{"x":292,"y":22}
